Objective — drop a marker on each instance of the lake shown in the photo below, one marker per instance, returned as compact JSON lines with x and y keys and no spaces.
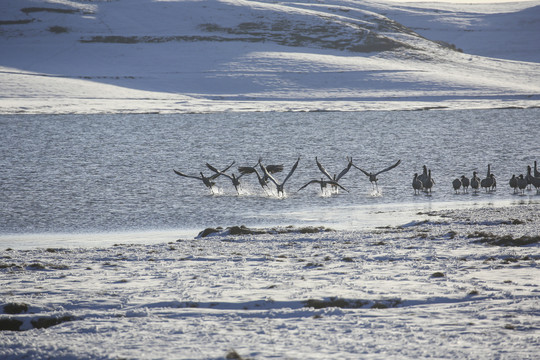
{"x":114,"y":173}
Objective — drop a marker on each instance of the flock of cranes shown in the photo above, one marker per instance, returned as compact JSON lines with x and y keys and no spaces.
{"x":266,"y":175}
{"x":423,"y":182}
{"x":521,"y":182}
{"x":489,"y":183}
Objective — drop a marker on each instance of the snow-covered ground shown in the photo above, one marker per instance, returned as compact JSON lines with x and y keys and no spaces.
{"x":449,"y":284}
{"x":143,"y":56}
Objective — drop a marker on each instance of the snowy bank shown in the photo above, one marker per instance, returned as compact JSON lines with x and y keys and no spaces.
{"x":428,"y":289}
{"x":195,"y":56}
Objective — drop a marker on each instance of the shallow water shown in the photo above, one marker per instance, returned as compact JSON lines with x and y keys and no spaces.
{"x":100,"y":173}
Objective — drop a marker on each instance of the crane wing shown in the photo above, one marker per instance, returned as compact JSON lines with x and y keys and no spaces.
{"x":184,"y":175}
{"x":292,"y":170}
{"x":322,"y":169}
{"x":366,"y":173}
{"x":212,"y":168}
{"x":272,"y":169}
{"x":310,"y":182}
{"x":228,"y":167}
{"x":246,"y":170}
{"x":344,"y":171}
{"x":218,"y":172}
{"x":389,"y":168}
{"x":267,"y":174}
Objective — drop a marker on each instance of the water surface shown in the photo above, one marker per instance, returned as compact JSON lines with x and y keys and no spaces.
{"x":76,"y":173}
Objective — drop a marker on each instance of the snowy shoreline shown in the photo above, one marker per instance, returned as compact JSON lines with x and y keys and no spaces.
{"x":429,"y":288}
{"x":369,"y":217}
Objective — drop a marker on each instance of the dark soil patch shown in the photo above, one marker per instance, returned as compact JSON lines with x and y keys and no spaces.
{"x":58,"y":29}
{"x":386,"y":304}
{"x":351,"y":303}
{"x":209,"y":231}
{"x":244,"y":230}
{"x":335,"y":302}
{"x":46,"y":322}
{"x":8,"y":324}
{"x":16,"y":22}
{"x":29,"y":10}
{"x":11,"y":324}
{"x":9,"y":266}
{"x":15,"y":308}
{"x":503,"y":240}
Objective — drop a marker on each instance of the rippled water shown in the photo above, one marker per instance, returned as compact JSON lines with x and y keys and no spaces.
{"x":114,"y":172}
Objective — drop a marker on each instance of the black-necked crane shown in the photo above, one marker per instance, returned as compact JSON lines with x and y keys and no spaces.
{"x":456,"y":184}
{"x":489,"y":183}
{"x":373,"y":176}
{"x":465,"y":182}
{"x":334,"y":178}
{"x":522,"y":183}
{"x":417,"y":184}
{"x":513,"y":182}
{"x":424,"y":175}
{"x":323,"y":183}
{"x":279,"y":186}
{"x":475,"y":181}
{"x":208,"y":181}
{"x":263,"y":180}
{"x":529,"y":177}
{"x":428,"y":184}
{"x":234,"y":179}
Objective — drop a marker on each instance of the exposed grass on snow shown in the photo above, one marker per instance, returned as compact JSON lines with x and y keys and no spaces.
{"x":504,"y":240}
{"x":28,"y":10}
{"x":58,"y":29}
{"x":325,"y":35}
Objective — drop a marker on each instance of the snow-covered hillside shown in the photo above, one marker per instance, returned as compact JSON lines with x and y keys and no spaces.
{"x":61,"y":56}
